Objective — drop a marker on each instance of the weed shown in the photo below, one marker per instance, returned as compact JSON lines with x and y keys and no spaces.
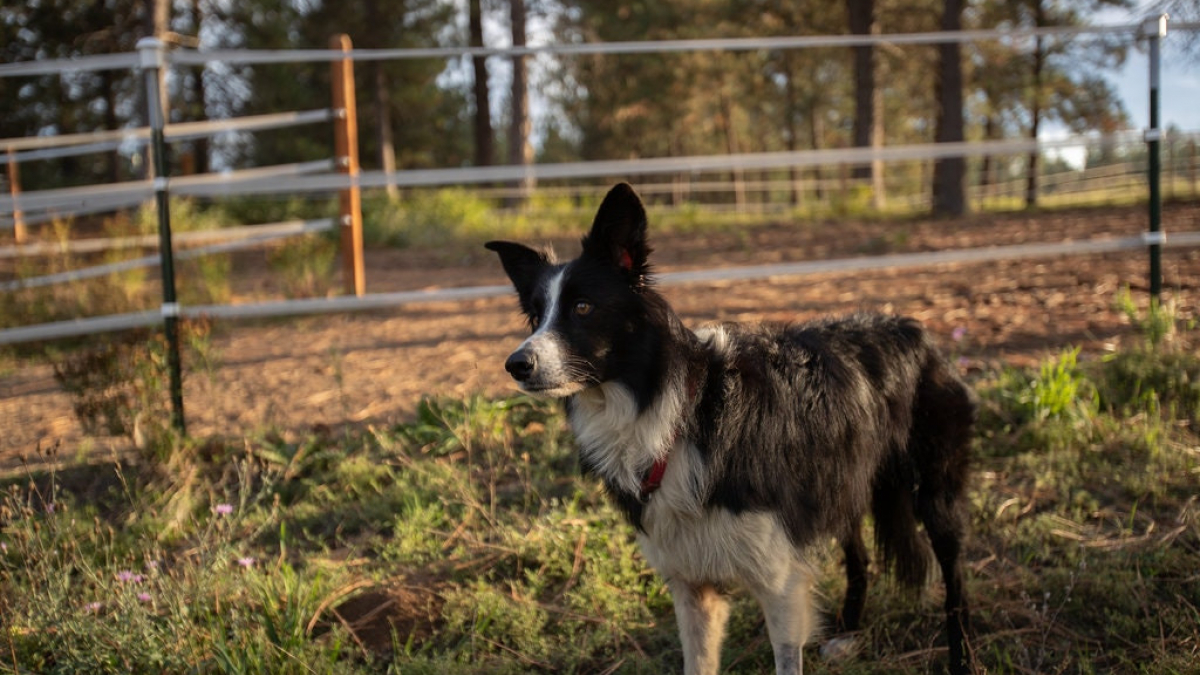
{"x":425,"y":218}
{"x":1162,"y":374}
{"x":1058,"y":391}
{"x":199,"y":281}
{"x":1137,"y":380}
{"x":119,"y":384}
{"x":1052,"y":408}
{"x":1157,"y":324}
{"x":305,"y":265}
{"x":237,"y":559}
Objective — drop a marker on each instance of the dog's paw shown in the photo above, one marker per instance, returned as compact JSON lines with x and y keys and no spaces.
{"x":839,"y":648}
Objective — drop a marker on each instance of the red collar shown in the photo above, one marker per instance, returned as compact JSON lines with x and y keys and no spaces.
{"x":654,"y":477}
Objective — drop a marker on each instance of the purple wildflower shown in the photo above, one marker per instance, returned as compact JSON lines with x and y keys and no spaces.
{"x":144,"y":597}
{"x":224,"y":509}
{"x":127,"y":576}
{"x":958,"y":334}
{"x":246,"y":562}
{"x":93,"y":607}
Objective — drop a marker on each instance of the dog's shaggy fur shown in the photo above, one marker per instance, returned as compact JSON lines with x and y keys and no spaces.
{"x":736,"y":449}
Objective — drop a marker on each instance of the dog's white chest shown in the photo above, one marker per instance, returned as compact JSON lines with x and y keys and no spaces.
{"x":715,"y":546}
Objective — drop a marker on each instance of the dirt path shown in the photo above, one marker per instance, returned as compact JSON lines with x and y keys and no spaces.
{"x":295,"y":375}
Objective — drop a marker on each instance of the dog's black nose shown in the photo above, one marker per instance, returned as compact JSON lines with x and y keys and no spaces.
{"x":521,"y":364}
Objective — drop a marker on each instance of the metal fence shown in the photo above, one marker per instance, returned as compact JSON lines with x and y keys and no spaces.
{"x":765,"y":180}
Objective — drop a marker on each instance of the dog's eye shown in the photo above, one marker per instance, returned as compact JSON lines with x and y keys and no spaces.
{"x":583,"y":308}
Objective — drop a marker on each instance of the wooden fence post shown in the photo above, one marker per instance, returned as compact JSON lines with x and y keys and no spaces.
{"x":14,"y":188}
{"x":345,"y":134}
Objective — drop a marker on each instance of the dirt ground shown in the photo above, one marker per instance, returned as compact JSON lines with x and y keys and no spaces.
{"x":373,"y":367}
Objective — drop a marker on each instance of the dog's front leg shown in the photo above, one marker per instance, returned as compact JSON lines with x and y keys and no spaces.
{"x":701,"y":612}
{"x":787,"y":606}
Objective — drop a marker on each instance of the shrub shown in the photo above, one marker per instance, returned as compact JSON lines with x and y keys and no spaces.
{"x":305,"y":265}
{"x":1161,"y":374}
{"x":119,"y":383}
{"x":426,"y":218}
{"x":1059,"y":390}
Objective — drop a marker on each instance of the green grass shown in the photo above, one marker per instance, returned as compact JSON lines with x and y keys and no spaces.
{"x":464,"y":541}
{"x":457,"y":216}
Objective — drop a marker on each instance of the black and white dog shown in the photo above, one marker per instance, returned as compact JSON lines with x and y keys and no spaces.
{"x":736,"y":449}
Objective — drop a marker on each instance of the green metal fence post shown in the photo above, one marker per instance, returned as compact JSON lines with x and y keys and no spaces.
{"x":152,"y":60}
{"x":1156,"y":29}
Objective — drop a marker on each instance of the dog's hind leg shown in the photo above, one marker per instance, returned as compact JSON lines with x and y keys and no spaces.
{"x":787,"y":605}
{"x":855,"y":562}
{"x":846,"y":624}
{"x":947,"y":545}
{"x":944,"y":519}
{"x":701,"y":612}
{"x":940,"y":442}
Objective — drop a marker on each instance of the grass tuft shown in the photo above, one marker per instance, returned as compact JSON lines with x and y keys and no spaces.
{"x":464,"y":542}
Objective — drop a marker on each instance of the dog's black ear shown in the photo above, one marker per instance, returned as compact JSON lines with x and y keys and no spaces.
{"x":521,"y":263}
{"x":618,"y":234}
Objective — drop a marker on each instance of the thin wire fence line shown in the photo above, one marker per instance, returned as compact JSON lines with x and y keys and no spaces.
{"x":169,"y":311}
{"x":72,"y":328}
{"x":24,"y":149}
{"x":79,"y":64}
{"x":248,"y":56}
{"x":154,"y":260}
{"x":188,"y":57}
{"x":76,"y":327}
{"x":631,"y":167}
{"x":45,"y":205}
{"x":288,"y":227}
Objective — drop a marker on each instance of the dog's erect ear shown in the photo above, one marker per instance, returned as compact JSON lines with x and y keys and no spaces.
{"x":618,"y":234}
{"x":521,"y":263}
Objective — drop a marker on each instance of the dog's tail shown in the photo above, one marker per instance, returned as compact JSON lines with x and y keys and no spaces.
{"x":901,"y":547}
{"x":925,"y":481}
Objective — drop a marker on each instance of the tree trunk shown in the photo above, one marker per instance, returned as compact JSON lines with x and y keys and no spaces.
{"x":112,"y":158}
{"x":949,"y":173}
{"x":483,"y":112}
{"x":155,"y":19}
{"x":792,"y":133}
{"x":520,"y":151}
{"x":158,"y":17}
{"x":383,"y":99}
{"x":732,"y":147}
{"x":1035,"y":108}
{"x":200,"y":147}
{"x":986,"y":178}
{"x":383,"y":126}
{"x":816,"y":132}
{"x":861,"y":15}
{"x":868,"y":99}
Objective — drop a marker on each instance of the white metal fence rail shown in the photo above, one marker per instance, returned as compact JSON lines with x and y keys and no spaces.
{"x":375,"y":301}
{"x":299,"y":178}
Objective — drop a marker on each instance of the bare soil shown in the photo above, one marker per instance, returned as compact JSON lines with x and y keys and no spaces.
{"x":295,"y":375}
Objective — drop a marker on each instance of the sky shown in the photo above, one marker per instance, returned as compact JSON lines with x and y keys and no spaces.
{"x":1179,"y":88}
{"x":1179,"y":83}
{"x":1179,"y":78}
